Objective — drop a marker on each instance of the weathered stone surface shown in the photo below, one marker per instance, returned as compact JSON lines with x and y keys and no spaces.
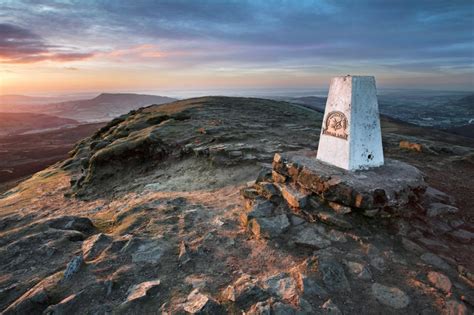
{"x":278,"y":178}
{"x":198,"y":303}
{"x":462,"y":236}
{"x":249,"y":192}
{"x":265,"y":175}
{"x":94,"y":245}
{"x":270,"y":226}
{"x":330,"y":308}
{"x":142,"y":290}
{"x":412,"y":246}
{"x":404,"y":144}
{"x":392,"y":184}
{"x":358,"y":270}
{"x":258,"y":210}
{"x":261,"y":308}
{"x":311,"y":289}
{"x":80,"y":224}
{"x":244,"y":291}
{"x":146,"y":251}
{"x":36,"y":299}
{"x":282,"y":285}
{"x":294,"y":197}
{"x":311,"y":238}
{"x":435,"y":261}
{"x":340,"y":209}
{"x":455,"y":308}
{"x":333,"y":219}
{"x":333,"y":275}
{"x":73,"y":267}
{"x":268,"y":191}
{"x":436,"y":209}
{"x":280,"y":308}
{"x":439,"y":281}
{"x":390,"y":296}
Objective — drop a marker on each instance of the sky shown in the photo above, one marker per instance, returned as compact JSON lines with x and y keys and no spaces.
{"x":86,"y":46}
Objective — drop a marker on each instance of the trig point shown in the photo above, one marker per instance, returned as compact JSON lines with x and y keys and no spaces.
{"x":350,"y":135}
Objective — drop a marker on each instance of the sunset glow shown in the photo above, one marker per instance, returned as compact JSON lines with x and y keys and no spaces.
{"x":63,"y":47}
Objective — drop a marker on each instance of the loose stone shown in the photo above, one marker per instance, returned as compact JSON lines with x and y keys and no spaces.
{"x":390,"y":296}
{"x":439,"y":281}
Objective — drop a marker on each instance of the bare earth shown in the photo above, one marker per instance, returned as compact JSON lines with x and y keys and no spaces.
{"x":154,"y":196}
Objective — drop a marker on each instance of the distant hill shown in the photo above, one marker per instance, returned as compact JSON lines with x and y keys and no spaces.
{"x":17,"y":123}
{"x":101,"y":108}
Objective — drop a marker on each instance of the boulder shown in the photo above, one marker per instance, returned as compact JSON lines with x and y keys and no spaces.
{"x":282,"y":285}
{"x":333,"y":276}
{"x":439,"y":281}
{"x":142,"y":290}
{"x":390,"y":296}
{"x":245,"y":291}
{"x":269,"y":227}
{"x":73,"y":267}
{"x":330,"y":308}
{"x":94,"y":245}
{"x":436,"y":209}
{"x":198,"y":303}
{"x":311,"y":238}
{"x":293,"y":196}
{"x":333,"y":219}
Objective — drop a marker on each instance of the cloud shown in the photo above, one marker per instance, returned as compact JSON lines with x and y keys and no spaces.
{"x":20,"y":45}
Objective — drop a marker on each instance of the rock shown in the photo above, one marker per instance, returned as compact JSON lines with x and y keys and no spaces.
{"x":64,"y":307}
{"x":436,"y":209}
{"x":390,"y":296}
{"x":378,"y":263}
{"x":183,"y":255}
{"x":265,"y":175}
{"x":94,"y":245}
{"x":80,"y":224}
{"x":244,"y":292}
{"x":462,"y":236}
{"x":249,"y":193}
{"x":293,"y":196}
{"x":336,"y":236}
{"x":331,"y":219}
{"x":453,"y":307}
{"x":309,"y":237}
{"x":392,"y":185}
{"x":35,"y":299}
{"x":296,"y":220}
{"x":282,"y":285}
{"x":259,"y":210}
{"x":198,"y":303}
{"x":411,"y":146}
{"x":439,"y":281}
{"x":261,"y":308}
{"x":311,"y":289}
{"x":333,"y":275}
{"x":269,"y":227}
{"x":358,"y":270}
{"x":433,"y":195}
{"x":73,"y":267}
{"x":268,"y":191}
{"x":280,"y":308}
{"x":142,"y":290}
{"x":435,"y":261}
{"x":370,"y":212}
{"x":330,"y":308}
{"x":145,"y":251}
{"x":278,"y":178}
{"x":338,"y":208}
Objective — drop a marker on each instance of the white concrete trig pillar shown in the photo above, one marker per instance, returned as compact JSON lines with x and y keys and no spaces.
{"x":351,"y":137}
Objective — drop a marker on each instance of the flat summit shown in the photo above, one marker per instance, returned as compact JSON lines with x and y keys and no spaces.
{"x":174,"y":208}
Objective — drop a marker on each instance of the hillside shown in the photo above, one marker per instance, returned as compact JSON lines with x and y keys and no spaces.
{"x":103,"y":107}
{"x":145,"y":217}
{"x":100,"y":108}
{"x":17,"y":123}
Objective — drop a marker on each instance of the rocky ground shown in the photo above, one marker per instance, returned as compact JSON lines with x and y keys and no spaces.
{"x":147,"y":217}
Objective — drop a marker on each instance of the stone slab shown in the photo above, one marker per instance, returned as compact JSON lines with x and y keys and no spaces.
{"x":391,"y":185}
